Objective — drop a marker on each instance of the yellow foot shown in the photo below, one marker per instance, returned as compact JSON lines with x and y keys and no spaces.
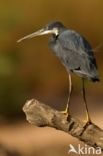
{"x":66,"y":112}
{"x":87,"y":121}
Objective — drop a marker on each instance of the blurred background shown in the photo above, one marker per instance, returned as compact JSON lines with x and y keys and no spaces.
{"x":30,"y":70}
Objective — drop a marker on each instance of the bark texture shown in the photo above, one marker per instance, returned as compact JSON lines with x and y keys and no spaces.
{"x":43,"y":115}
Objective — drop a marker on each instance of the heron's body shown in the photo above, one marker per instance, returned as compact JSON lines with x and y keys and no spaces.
{"x":75,"y":54}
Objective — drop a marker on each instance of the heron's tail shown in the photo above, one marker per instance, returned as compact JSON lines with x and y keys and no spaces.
{"x":95,"y":79}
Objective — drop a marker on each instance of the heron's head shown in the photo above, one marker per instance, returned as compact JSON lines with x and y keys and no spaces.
{"x":51,"y":28}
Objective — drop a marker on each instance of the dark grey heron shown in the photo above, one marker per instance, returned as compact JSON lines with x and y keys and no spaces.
{"x":74,"y":52}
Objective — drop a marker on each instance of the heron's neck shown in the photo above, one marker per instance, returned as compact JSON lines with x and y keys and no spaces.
{"x":52,"y":40}
{"x":54,"y":36}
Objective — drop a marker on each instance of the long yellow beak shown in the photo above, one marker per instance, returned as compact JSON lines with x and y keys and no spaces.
{"x":37,"y":33}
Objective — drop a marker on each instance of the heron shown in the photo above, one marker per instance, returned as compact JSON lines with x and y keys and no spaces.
{"x":74,"y":52}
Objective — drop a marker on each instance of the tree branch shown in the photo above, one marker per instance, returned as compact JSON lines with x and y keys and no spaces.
{"x":43,"y":115}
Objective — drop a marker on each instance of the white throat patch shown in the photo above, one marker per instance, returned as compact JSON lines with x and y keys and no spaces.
{"x":55,"y":31}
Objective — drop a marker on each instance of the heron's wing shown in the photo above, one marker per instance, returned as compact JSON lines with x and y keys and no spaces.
{"x":74,"y":41}
{"x":78,"y":53}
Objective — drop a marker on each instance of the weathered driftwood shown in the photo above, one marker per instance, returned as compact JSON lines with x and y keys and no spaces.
{"x":43,"y":115}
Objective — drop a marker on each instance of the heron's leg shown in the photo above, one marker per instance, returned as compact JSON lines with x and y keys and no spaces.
{"x":66,"y":111}
{"x":88,"y":120}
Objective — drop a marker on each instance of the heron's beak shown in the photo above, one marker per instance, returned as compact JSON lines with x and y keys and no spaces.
{"x":37,"y":33}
